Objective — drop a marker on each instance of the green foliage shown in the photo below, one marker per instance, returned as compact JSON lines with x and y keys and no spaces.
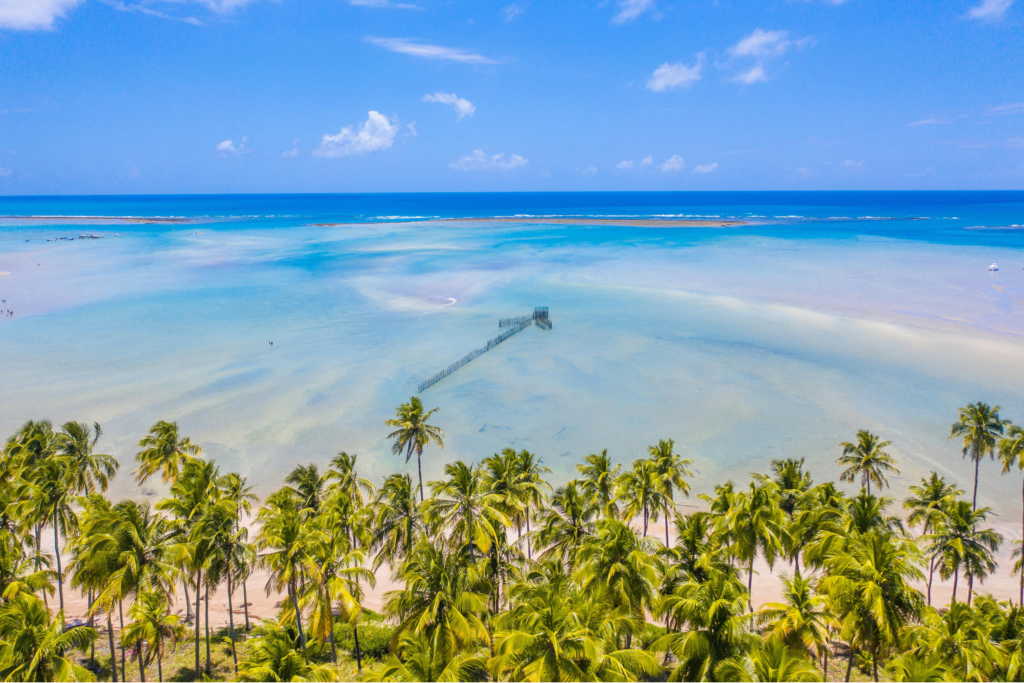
{"x":374,"y":639}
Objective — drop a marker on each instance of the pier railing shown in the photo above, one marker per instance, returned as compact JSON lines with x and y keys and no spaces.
{"x":517,"y":327}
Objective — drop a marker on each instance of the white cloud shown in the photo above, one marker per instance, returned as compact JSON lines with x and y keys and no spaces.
{"x":631,"y":9}
{"x":1015,"y":142}
{"x":754,"y":75}
{"x":589,"y":170}
{"x":512,"y":11}
{"x":293,"y":152}
{"x":1015,"y":108}
{"x":804,"y":172}
{"x":478,"y":161}
{"x":762,"y":43}
{"x":851,"y":165}
{"x":412,"y":130}
{"x":228,"y":147}
{"x":33,"y":15}
{"x":672,"y":164}
{"x":452,"y":54}
{"x":463,"y":107}
{"x":672,"y":76}
{"x":375,"y":134}
{"x":705,"y":168}
{"x":928,"y":122}
{"x":990,"y":10}
{"x":624,"y":165}
{"x":647,"y":161}
{"x":6,"y":173}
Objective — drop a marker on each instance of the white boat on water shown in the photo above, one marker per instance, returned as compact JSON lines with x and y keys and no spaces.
{"x":993,"y":267}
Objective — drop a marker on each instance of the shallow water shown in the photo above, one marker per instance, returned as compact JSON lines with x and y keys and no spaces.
{"x":776,"y":339}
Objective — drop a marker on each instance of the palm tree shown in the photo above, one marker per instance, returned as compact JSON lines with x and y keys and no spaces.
{"x":33,"y":646}
{"x":554,"y":634}
{"x":566,"y":523}
{"x":413,"y":434}
{"x":164,"y":450}
{"x":334,"y":571}
{"x":613,"y":559}
{"x":772,"y":661}
{"x":911,"y":668}
{"x":196,"y":490}
{"x":273,"y":657}
{"x":420,"y":658}
{"x":463,"y":505}
{"x":47,"y":499}
{"x":869,"y":584}
{"x":640,"y":489}
{"x":670,"y":471}
{"x":237,"y":490}
{"x":866,"y":459}
{"x":502,"y":478}
{"x":283,"y":541}
{"x":346,"y":479}
{"x":443,"y":595}
{"x":979,"y":429}
{"x":961,"y":639}
{"x":531,"y":472}
{"x":962,"y":546}
{"x":756,"y":525}
{"x":1011,"y":452}
{"x":397,"y":522}
{"x":804,"y":621}
{"x":309,"y":487}
{"x":599,"y":481}
{"x":153,"y":624}
{"x":87,"y":471}
{"x":928,"y":502}
{"x":710,"y":610}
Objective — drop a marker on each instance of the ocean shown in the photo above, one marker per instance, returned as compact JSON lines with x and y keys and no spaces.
{"x":823,"y":313}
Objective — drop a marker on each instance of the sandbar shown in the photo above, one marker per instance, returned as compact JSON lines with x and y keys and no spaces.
{"x":543,"y":220}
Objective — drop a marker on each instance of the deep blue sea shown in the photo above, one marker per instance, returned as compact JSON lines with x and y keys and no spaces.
{"x":823,"y":313}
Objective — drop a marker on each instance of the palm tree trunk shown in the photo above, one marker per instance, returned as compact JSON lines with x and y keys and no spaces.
{"x":529,"y":555}
{"x":334,"y":648}
{"x":970,"y":588}
{"x":796,"y":560}
{"x":199,"y":578}
{"x":1022,"y":536}
{"x":92,"y":620}
{"x":750,"y":585}
{"x":188,"y":603}
{"x":206,"y":618}
{"x":419,"y":466}
{"x":245,"y":605}
{"x":120,"y":635}
{"x":824,"y":669}
{"x":874,"y":665}
{"x":298,"y":619}
{"x":974,"y":501}
{"x":359,"y":655}
{"x":849,"y":666}
{"x":666,"y":525}
{"x":231,"y":622}
{"x":56,"y":550}
{"x":113,"y":655}
{"x":142,"y":665}
{"x":159,"y":659}
{"x":869,"y":487}
{"x":956,"y":578}
{"x":931,"y":575}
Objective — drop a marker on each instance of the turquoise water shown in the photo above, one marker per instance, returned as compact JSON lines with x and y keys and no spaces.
{"x":827,"y":313}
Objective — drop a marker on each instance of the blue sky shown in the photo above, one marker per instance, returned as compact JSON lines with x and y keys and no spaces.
{"x":181,"y":96}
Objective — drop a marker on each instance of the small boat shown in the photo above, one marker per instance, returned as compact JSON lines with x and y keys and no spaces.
{"x":993,"y":268}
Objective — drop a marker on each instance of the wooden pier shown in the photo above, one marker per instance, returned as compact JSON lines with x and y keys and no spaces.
{"x":515,"y":325}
